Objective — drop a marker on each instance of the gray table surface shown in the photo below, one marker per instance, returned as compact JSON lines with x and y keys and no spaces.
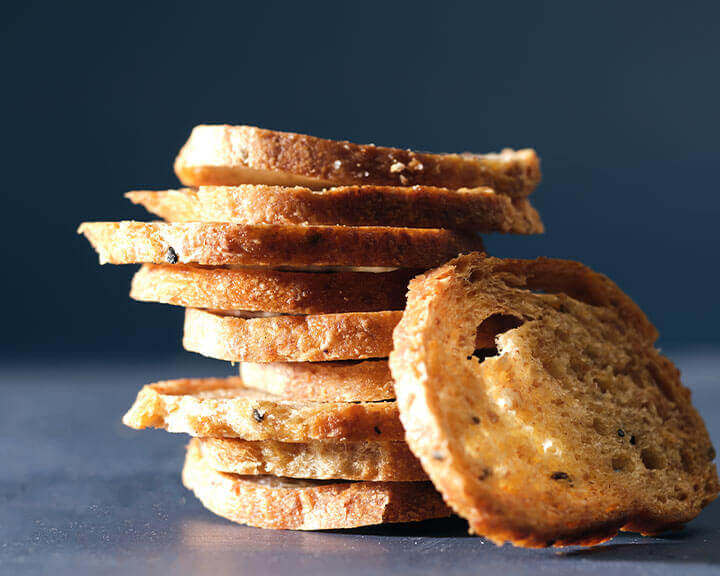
{"x":82,"y":494}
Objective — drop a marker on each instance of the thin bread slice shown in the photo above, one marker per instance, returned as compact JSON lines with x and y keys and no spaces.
{"x":294,"y":504}
{"x":218,"y":244}
{"x":265,"y":289}
{"x":471,"y":210}
{"x":313,"y":338}
{"x":231,"y":155}
{"x":225,"y":408}
{"x":343,"y":381}
{"x":320,"y":460}
{"x":570,"y":428}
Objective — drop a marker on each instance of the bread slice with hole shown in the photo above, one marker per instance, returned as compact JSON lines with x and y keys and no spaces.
{"x":265,"y":289}
{"x":471,"y":210}
{"x":295,"y":504}
{"x":218,"y":244}
{"x":232,"y":155}
{"x":225,"y":408}
{"x":368,"y":461}
{"x":342,"y":381}
{"x":571,"y":428}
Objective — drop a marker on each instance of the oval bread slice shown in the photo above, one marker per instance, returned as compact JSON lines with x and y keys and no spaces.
{"x":471,"y":210}
{"x":231,"y":155}
{"x":313,"y":338}
{"x":294,"y":504}
{"x":225,"y":408}
{"x":573,"y":427}
{"x":343,"y":381}
{"x":218,"y":244}
{"x":264,"y":289}
{"x":319,"y":460}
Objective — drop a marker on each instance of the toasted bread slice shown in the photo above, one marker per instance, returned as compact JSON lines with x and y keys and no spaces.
{"x":231,"y":155}
{"x":225,"y":408}
{"x":294,"y":504}
{"x":319,"y":460}
{"x":471,"y":210}
{"x":315,"y":338}
{"x":218,"y":244}
{"x":265,"y":289}
{"x":573,"y":427}
{"x":344,"y":381}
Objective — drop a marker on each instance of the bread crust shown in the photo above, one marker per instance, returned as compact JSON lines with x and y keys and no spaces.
{"x":225,"y":408}
{"x":265,"y":289}
{"x":319,"y":460}
{"x":471,"y":210}
{"x":292,"y":504}
{"x":313,"y":338}
{"x":232,"y":155}
{"x":343,"y":381}
{"x":218,"y":244}
{"x":575,"y":398}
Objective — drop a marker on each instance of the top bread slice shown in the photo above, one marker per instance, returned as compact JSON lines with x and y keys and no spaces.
{"x":571,"y":428}
{"x":470,"y":210}
{"x":231,"y":155}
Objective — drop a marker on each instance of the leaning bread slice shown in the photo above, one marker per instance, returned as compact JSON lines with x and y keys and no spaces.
{"x":320,"y":460}
{"x":570,"y":428}
{"x":225,"y":408}
{"x":343,"y":381}
{"x":265,"y":289}
{"x":472,"y":210}
{"x":230,"y":155}
{"x":218,"y":244}
{"x":294,"y":504}
{"x":314,"y":338}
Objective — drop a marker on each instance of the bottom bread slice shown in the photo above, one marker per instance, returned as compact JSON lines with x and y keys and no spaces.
{"x":320,"y":460}
{"x":293,"y":504}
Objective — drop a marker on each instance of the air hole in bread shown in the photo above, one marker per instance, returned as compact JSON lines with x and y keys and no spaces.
{"x":652,"y":459}
{"x":621,"y":463}
{"x":488,"y":330}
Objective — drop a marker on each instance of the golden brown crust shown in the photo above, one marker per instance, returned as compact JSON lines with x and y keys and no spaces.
{"x":575,"y":397}
{"x":344,"y":381}
{"x":471,"y":210}
{"x":225,"y":408}
{"x":314,"y":338}
{"x":232,"y":155}
{"x":218,"y":244}
{"x":292,"y":504}
{"x":319,"y":460}
{"x":265,"y":289}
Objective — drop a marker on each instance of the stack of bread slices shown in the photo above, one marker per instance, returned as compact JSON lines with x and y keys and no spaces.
{"x":292,"y":256}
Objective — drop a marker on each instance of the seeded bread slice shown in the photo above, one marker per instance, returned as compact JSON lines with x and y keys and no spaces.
{"x":294,"y":504}
{"x":571,"y":428}
{"x":315,"y":338}
{"x":231,"y":155}
{"x":265,"y":289}
{"x":344,"y":381}
{"x":225,"y":408}
{"x":218,"y":244}
{"x":320,"y":460}
{"x":471,"y":210}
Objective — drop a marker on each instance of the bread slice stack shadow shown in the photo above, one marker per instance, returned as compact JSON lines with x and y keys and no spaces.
{"x":525,"y":396}
{"x":292,"y":256}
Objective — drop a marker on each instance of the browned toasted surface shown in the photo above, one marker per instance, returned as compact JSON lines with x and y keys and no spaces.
{"x":343,"y":381}
{"x":313,"y":338}
{"x":231,"y":155}
{"x":265,"y":289}
{"x":319,"y":460}
{"x":573,"y":428}
{"x":294,"y":504}
{"x":225,"y":408}
{"x":472,"y":210}
{"x":218,"y":244}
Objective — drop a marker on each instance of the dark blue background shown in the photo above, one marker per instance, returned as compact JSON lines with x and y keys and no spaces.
{"x":619,"y":98}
